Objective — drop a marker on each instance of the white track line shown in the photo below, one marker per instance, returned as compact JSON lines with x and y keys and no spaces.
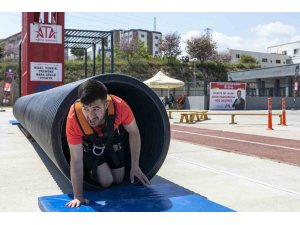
{"x":234,"y":139}
{"x":214,"y":170}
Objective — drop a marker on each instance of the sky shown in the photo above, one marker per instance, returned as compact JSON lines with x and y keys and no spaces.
{"x":252,"y":31}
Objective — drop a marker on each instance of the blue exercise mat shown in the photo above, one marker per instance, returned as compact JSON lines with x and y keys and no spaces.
{"x":152,"y":198}
{"x":14,"y":122}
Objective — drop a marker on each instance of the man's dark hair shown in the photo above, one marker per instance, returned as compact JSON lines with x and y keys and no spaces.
{"x":91,"y":90}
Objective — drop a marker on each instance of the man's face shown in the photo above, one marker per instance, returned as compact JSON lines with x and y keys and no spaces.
{"x":239,"y":94}
{"x":95,"y":112}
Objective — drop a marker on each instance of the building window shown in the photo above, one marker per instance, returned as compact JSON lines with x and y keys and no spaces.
{"x":296,"y":51}
{"x":156,"y":45}
{"x":130,"y":36}
{"x":237,"y":56}
{"x":156,"y":37}
{"x":278,"y":61}
{"x":264,"y":60}
{"x":156,"y":52}
{"x":142,"y":35}
{"x":284,"y":52}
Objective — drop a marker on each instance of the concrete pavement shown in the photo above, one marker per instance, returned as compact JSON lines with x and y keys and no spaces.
{"x":243,"y":183}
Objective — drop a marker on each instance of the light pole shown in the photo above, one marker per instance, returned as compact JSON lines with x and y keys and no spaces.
{"x":194,"y":60}
{"x":295,"y":87}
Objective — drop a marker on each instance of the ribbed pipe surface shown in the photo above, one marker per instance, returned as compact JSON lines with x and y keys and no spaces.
{"x":44,"y":114}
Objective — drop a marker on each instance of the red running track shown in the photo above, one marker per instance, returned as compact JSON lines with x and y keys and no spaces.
{"x":278,"y":149}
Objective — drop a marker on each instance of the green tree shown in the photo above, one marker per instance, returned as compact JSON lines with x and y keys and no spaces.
{"x":203,"y":48}
{"x":1,"y":51}
{"x":141,"y":51}
{"x":127,"y":48}
{"x":170,"y":46}
{"x":79,"y":53}
{"x":224,"y":57}
{"x":132,"y":50}
{"x":247,"y":59}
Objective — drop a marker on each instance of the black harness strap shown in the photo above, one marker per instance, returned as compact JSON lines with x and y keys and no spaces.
{"x":99,"y":145}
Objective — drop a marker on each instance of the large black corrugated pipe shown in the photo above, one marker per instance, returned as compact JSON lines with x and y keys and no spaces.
{"x":44,"y":115}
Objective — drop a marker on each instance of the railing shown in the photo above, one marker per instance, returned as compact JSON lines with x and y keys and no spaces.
{"x":203,"y":90}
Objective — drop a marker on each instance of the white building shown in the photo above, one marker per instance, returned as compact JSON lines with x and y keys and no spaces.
{"x":150,"y":39}
{"x":11,"y":46}
{"x":291,"y":49}
{"x":264,"y":59}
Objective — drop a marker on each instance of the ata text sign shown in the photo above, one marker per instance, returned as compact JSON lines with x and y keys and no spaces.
{"x":46,"y":33}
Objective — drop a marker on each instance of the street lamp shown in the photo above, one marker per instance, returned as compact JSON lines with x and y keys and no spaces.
{"x":194,"y":72}
{"x":295,"y":87}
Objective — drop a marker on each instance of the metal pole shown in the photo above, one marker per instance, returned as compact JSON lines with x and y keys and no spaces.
{"x":20,"y":67}
{"x":103,"y":56}
{"x":112,"y":52}
{"x":94,"y":59}
{"x":12,"y":92}
{"x":194,"y":78}
{"x":85,"y":63}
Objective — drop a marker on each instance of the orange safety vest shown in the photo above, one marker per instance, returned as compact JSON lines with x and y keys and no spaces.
{"x":90,"y":133}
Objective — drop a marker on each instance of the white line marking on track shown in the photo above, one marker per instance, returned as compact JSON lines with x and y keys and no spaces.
{"x":234,"y":139}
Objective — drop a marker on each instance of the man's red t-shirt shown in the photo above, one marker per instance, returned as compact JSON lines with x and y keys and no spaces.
{"x":124,"y":116}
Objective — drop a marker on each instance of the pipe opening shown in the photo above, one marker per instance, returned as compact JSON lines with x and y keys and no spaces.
{"x":150,"y":120}
{"x":44,"y":115}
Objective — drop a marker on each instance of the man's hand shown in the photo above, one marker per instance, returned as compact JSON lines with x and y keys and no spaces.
{"x":76,"y":202}
{"x":137,"y":172}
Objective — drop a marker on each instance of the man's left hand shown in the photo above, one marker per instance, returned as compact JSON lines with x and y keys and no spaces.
{"x":137,"y":172}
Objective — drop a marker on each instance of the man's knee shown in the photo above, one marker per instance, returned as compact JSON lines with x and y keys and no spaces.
{"x":104,"y":176}
{"x":118,"y":179}
{"x":118,"y":175}
{"x":106,"y":183}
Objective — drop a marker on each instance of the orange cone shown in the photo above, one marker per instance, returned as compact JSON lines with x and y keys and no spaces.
{"x":283,"y":116}
{"x":270,"y":114}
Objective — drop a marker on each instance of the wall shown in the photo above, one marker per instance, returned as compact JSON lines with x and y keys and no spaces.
{"x":288,"y":47}
{"x":271,"y":58}
{"x":155,"y":42}
{"x":196,"y":102}
{"x":261,"y":103}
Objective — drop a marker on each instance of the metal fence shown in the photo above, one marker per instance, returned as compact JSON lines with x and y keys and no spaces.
{"x":202,"y":88}
{"x":189,"y":89}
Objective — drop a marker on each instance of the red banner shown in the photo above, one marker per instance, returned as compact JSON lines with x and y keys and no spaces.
{"x":227,"y":85}
{"x":8,"y":78}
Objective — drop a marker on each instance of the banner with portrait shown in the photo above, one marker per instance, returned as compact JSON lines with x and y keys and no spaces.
{"x":7,"y":86}
{"x":227,"y":96}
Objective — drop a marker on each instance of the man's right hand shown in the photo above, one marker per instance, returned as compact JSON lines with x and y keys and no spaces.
{"x":77,"y":202}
